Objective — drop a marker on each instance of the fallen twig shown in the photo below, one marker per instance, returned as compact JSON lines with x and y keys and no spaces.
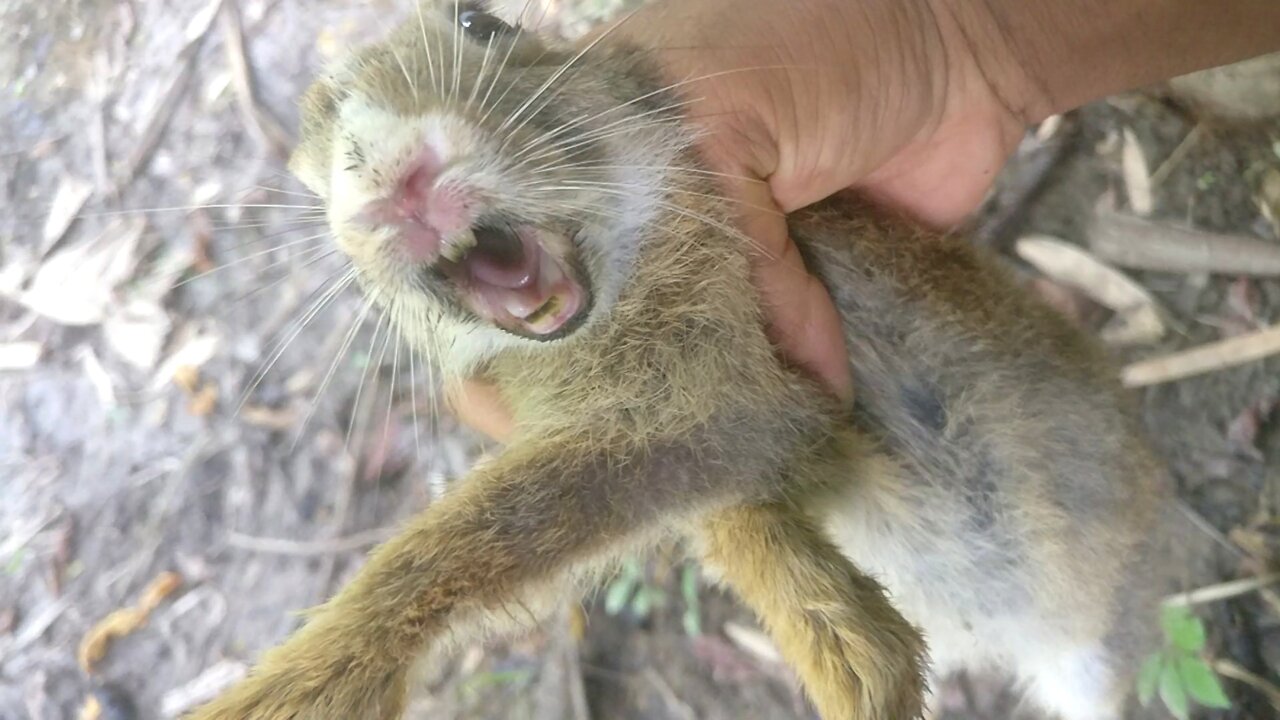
{"x":310,"y":548}
{"x":1133,"y":242}
{"x":1221,"y":591}
{"x":260,"y":122}
{"x":1177,"y":156}
{"x":1206,"y":358}
{"x":1228,"y":669}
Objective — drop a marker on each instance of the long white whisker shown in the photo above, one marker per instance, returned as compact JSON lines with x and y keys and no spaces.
{"x":685,"y":212}
{"x":190,"y":208}
{"x":308,"y":315}
{"x":426,"y":49}
{"x":502,"y":66}
{"x":413,"y":402}
{"x":356,"y":323}
{"x":611,"y":129}
{"x":563,"y":69}
{"x":635,"y":187}
{"x":285,"y":276}
{"x":457,"y":53}
{"x":413,"y":86}
{"x":556,"y":134}
{"x":479,"y":79}
{"x":308,"y":195}
{"x":593,"y":166}
{"x":673,"y":86}
{"x":291,"y":225}
{"x":355,"y":405}
{"x":250,"y":257}
{"x":519,"y":76}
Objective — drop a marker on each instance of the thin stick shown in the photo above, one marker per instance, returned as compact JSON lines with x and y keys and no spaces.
{"x":1205,"y":358}
{"x":1134,"y":242}
{"x":1177,"y":156}
{"x":1228,"y":669}
{"x":268,"y":131}
{"x":1221,"y":591}
{"x":305,"y":548}
{"x":163,"y":111}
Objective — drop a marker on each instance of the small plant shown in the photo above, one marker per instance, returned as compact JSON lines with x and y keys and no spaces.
{"x":1177,"y":672}
{"x":692,"y":617}
{"x":1206,"y":181}
{"x":630,"y":588}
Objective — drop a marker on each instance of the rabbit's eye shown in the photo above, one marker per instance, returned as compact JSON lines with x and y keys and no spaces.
{"x":481,"y":25}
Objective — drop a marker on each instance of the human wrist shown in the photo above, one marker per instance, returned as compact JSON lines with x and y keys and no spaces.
{"x":1046,"y":58}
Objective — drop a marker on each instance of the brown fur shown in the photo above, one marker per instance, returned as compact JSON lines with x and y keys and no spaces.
{"x":988,"y":438}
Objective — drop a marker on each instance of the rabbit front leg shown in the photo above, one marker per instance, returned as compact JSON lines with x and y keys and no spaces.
{"x":512,"y":534}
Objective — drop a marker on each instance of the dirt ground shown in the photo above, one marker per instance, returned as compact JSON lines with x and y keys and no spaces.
{"x":179,"y":391}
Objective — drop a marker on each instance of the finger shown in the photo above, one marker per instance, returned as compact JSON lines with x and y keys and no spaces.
{"x":802,"y":318}
{"x":942,"y":181}
{"x":479,"y":406}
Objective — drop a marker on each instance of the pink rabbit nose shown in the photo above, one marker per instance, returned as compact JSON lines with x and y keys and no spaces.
{"x":423,"y":211}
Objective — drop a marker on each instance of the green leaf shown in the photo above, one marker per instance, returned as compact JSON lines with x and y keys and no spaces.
{"x":692,"y":618}
{"x":15,"y":562}
{"x":1182,"y":629}
{"x":1202,"y":683}
{"x":619,"y":593}
{"x":1149,"y":678}
{"x":642,"y":603}
{"x":1172,"y":692}
{"x":692,"y":622}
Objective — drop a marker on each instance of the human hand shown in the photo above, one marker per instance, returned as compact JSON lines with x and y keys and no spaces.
{"x":814,"y":97}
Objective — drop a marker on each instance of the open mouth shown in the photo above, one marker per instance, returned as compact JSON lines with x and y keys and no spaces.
{"x":508,"y":276}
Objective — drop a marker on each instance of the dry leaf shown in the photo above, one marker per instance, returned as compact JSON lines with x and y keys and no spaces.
{"x":136,"y":332}
{"x":203,"y":688}
{"x":70,"y":197}
{"x":93,"y":646}
{"x":187,"y":377}
{"x":1138,"y":315}
{"x":1137,"y":176}
{"x":269,"y":417}
{"x":76,"y":286}
{"x":753,"y":641}
{"x":1140,"y":326}
{"x":19,"y":355}
{"x":203,"y":402}
{"x":91,"y":710}
{"x":194,"y":350}
{"x":164,"y":585}
{"x":98,"y":377}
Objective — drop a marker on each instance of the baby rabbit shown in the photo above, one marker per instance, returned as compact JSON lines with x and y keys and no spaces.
{"x":537,"y":216}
